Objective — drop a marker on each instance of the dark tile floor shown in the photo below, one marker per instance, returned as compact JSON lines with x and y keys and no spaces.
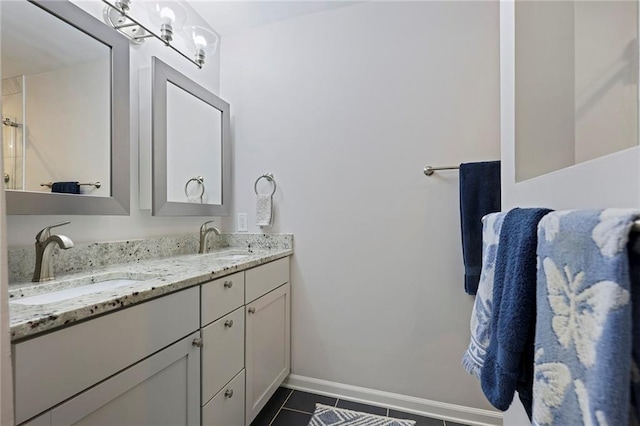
{"x":294,"y":408}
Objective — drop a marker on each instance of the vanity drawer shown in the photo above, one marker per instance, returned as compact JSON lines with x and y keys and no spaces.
{"x":222,"y":352}
{"x":221,"y":296}
{"x":264,"y":278}
{"x":56,"y":366}
{"x":227,"y":407}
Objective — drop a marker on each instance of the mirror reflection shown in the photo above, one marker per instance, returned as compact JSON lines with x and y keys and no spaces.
{"x":576,"y":88}
{"x":194,"y":148}
{"x":56,"y":108}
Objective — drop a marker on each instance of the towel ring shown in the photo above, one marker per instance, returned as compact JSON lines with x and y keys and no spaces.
{"x":269,"y":177}
{"x":198,"y":179}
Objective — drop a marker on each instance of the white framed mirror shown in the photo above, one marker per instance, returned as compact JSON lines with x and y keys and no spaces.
{"x":191,"y":156}
{"x":65,"y":93}
{"x":576,"y":82}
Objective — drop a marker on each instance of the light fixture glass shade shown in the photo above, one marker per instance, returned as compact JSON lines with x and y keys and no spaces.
{"x":168,"y":15}
{"x":203,"y":41}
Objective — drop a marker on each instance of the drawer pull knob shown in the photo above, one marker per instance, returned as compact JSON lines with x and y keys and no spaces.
{"x":251,"y":310}
{"x":197,"y":343}
{"x":228,"y":284}
{"x":228,"y":393}
{"x":228,"y":323}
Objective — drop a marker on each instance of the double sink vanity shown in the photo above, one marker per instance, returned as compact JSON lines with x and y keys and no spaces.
{"x":164,"y":331}
{"x":170,"y":337}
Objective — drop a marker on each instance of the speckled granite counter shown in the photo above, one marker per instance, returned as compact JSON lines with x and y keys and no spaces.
{"x":160,"y":276}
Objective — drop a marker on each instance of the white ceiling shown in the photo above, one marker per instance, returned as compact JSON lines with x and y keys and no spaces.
{"x":33,"y":41}
{"x":233,"y":17}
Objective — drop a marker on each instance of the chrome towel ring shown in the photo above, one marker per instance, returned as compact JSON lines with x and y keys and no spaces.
{"x":200,"y":181}
{"x":269,"y":177}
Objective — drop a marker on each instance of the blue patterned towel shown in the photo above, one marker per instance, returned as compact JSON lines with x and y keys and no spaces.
{"x":473,"y":358}
{"x":508,"y":365}
{"x":583,"y":370}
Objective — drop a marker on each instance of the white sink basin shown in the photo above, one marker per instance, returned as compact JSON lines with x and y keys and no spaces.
{"x":233,"y":256}
{"x":70,"y":293}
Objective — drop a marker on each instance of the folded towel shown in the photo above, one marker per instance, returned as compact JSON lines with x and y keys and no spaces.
{"x":508,"y":364}
{"x":479,"y":195}
{"x":584,"y":328}
{"x":264,"y":210}
{"x":473,"y":358}
{"x":66,"y":187}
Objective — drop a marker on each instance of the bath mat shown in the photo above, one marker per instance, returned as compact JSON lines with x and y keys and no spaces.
{"x":332,"y":416}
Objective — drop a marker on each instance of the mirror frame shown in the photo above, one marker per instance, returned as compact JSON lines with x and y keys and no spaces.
{"x":39,"y":203}
{"x":161,"y":74}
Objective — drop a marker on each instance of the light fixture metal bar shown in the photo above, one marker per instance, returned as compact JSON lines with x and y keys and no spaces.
{"x":151,"y":33}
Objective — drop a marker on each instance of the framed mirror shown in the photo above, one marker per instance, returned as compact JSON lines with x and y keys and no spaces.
{"x":576,"y":83}
{"x":65,"y":111}
{"x":191,"y":157}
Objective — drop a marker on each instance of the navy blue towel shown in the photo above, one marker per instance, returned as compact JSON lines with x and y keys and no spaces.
{"x":508,"y":364}
{"x":66,"y":187}
{"x":479,"y":196}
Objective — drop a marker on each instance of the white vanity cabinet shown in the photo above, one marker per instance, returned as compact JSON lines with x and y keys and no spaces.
{"x":246,"y":342}
{"x":133,"y":349}
{"x":268,"y":333}
{"x":212,"y":354}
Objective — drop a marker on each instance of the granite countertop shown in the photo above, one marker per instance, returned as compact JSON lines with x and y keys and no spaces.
{"x":160,"y":276}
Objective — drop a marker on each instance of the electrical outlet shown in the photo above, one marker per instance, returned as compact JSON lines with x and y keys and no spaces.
{"x":242,"y":222}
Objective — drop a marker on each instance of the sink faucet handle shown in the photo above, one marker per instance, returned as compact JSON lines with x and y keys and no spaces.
{"x":204,"y":225}
{"x":46,"y":232}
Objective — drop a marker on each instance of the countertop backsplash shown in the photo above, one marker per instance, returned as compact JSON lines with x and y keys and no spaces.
{"x":84,"y":257}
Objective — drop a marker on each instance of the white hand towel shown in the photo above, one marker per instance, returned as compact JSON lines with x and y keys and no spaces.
{"x":264,"y":210}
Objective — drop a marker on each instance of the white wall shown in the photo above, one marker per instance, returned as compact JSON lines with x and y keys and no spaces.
{"x":346,"y":108}
{"x":22,"y":229}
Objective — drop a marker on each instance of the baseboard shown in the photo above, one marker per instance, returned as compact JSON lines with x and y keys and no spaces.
{"x":409,"y":404}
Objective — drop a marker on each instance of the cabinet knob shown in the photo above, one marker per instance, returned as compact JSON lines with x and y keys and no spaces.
{"x":228,"y":284}
{"x":251,"y":310}
{"x":228,"y":323}
{"x":197,"y":343}
{"x":228,"y":393}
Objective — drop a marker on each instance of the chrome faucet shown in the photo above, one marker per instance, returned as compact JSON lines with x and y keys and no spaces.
{"x":204,"y":234}
{"x":44,"y":251}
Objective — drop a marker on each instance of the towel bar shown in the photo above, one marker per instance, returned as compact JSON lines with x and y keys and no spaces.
{"x":429,"y":170}
{"x":96,"y":184}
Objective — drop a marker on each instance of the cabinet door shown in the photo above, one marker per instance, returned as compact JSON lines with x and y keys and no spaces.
{"x":227,"y":407}
{"x":267,"y":348}
{"x":163,"y":389}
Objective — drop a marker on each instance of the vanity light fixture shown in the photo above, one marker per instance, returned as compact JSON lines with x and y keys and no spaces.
{"x":203,"y":41}
{"x":169,"y":16}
